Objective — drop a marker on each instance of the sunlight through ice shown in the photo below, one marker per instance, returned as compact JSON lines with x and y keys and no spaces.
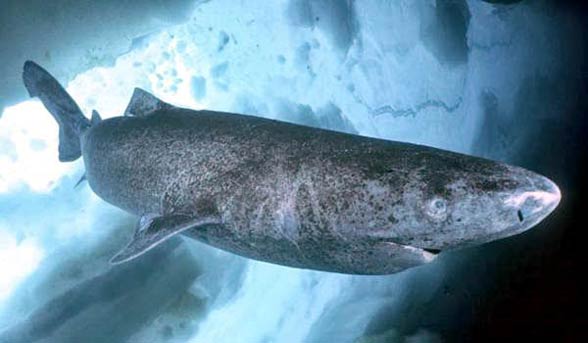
{"x":28,"y":148}
{"x":17,"y":261}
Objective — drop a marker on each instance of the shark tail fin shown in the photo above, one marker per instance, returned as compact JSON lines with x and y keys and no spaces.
{"x":62,"y":107}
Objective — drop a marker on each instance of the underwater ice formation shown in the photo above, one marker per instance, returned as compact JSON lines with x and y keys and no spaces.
{"x":455,"y":76}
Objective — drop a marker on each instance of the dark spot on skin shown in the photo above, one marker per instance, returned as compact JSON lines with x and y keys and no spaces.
{"x":458,"y":220}
{"x":496,"y":185}
{"x":437,"y":187}
{"x":432,"y":251}
{"x":345,"y":205}
{"x":392,"y":219}
{"x":206,"y":207}
{"x":520,"y":215}
{"x":488,"y":186}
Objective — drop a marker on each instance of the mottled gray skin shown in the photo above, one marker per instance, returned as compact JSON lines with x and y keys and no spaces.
{"x":285,"y":193}
{"x":306,"y":197}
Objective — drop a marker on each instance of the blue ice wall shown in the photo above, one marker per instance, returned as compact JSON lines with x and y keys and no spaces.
{"x":462,"y":75}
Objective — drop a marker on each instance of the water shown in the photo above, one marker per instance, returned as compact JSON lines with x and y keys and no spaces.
{"x":462,"y":76}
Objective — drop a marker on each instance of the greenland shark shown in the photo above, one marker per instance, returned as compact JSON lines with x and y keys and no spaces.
{"x":289,"y":194}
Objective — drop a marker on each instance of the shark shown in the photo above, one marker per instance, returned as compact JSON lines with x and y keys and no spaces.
{"x":289,"y":194}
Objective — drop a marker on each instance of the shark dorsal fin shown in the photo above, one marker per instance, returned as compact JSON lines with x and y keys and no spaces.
{"x":95,"y":118}
{"x":144,"y":103}
{"x":153,"y":230}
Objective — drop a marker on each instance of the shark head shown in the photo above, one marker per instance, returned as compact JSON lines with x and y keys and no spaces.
{"x":477,"y":202}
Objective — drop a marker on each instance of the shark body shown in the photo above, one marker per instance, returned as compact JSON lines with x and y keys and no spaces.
{"x":289,"y":194}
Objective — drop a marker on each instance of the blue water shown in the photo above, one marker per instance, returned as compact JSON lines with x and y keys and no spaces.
{"x":463,"y":75}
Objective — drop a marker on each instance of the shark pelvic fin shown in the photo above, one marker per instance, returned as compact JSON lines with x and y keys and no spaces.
{"x":153,"y":230}
{"x":144,"y":103}
{"x":82,"y":179}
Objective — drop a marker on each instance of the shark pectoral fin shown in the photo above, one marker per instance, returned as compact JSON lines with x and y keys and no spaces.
{"x":144,"y":103}
{"x":153,"y":230}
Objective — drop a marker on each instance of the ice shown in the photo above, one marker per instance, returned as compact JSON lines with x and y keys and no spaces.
{"x":446,"y":74}
{"x":27,"y":252}
{"x":59,"y":37}
{"x":198,"y":87}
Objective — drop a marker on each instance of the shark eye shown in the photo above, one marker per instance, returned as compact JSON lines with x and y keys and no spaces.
{"x":439,"y":205}
{"x":437,"y":208}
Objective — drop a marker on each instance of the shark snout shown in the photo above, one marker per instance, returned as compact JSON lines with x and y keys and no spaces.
{"x":535,"y":204}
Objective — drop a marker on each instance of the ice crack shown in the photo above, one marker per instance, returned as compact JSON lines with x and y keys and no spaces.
{"x":412,"y":112}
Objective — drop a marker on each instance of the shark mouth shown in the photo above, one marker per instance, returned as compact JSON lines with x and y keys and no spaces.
{"x":432,"y":251}
{"x":410,"y":253}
